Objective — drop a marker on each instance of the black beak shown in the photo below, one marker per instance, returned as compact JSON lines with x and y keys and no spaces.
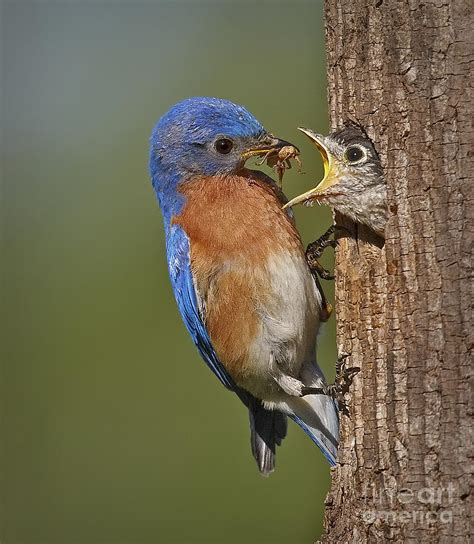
{"x":267,"y":144}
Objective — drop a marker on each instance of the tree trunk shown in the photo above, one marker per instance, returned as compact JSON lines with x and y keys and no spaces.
{"x":402,"y":70}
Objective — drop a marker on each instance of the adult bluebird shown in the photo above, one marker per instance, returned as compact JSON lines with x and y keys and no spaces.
{"x":238,"y":271}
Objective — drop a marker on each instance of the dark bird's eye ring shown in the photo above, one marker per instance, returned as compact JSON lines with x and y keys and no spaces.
{"x":355,"y":154}
{"x":223,"y":145}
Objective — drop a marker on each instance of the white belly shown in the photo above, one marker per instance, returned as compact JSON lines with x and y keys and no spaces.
{"x":289,"y":325}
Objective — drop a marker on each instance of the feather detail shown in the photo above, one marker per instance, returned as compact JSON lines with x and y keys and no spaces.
{"x":267,"y":430}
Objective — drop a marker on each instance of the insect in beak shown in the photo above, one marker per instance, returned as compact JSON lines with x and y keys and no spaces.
{"x":277,"y":155}
{"x":268,"y":145}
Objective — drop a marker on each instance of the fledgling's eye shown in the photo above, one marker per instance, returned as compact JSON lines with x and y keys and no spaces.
{"x":355,"y":154}
{"x":224,"y":145}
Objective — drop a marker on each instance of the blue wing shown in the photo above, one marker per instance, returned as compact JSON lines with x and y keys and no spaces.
{"x":179,"y":264}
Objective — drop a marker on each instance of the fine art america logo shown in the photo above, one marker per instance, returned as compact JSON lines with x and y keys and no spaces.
{"x":424,"y":506}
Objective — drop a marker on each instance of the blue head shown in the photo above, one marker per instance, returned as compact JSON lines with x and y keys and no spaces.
{"x":203,"y":136}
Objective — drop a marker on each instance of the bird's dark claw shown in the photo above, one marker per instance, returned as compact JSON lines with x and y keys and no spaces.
{"x":315,"y":250}
{"x":336,"y":390}
{"x":317,"y":247}
{"x":342,"y":382}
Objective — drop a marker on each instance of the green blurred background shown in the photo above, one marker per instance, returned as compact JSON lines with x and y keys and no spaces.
{"x":113,"y":429}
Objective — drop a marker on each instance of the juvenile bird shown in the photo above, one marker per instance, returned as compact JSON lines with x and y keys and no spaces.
{"x":353,"y":180}
{"x":238,"y":271}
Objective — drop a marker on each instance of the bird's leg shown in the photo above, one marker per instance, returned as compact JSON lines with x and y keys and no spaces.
{"x":317,"y":247}
{"x":314,"y":391}
{"x":315,"y":250}
{"x":342,"y":382}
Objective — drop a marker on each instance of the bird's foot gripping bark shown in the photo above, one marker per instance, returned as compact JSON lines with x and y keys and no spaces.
{"x":342,"y":382}
{"x":341,"y":385}
{"x":315,"y":250}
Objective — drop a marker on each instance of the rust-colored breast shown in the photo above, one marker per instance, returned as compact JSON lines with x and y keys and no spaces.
{"x":234,"y":224}
{"x":236,"y":215}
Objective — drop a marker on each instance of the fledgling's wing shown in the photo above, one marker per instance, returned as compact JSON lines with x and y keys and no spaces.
{"x":183,"y":286}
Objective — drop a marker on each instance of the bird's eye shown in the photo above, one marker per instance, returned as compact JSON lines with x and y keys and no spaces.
{"x":355,"y":154}
{"x":224,"y":145}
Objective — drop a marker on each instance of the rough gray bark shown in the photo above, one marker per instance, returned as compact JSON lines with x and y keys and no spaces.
{"x":402,"y":69}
